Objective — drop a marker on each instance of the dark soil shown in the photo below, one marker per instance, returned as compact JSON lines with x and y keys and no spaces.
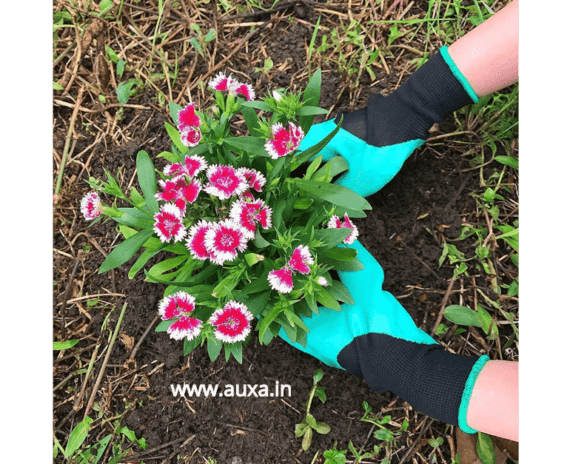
{"x":424,"y":203}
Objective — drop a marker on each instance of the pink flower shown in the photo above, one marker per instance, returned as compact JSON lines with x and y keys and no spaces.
{"x":244,"y":90}
{"x":179,"y":191}
{"x":284,"y":141}
{"x":91,"y":206}
{"x":323,"y":282}
{"x":190,"y":136}
{"x":225,"y":181}
{"x":168,"y":223}
{"x":301,"y":259}
{"x":281,"y":280}
{"x":221,"y":82}
{"x":180,"y":305}
{"x":232,"y":322}
{"x":247,"y":196}
{"x":176,"y":305}
{"x":224,"y":240}
{"x":187,"y":117}
{"x":196,"y":243}
{"x":254,"y":178}
{"x":335,"y":223}
{"x":248,"y":214}
{"x":191,"y":166}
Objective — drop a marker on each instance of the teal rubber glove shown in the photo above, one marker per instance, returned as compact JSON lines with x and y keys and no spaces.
{"x":375,"y":141}
{"x":377,"y":339}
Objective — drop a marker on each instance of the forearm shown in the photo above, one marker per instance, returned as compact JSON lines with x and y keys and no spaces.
{"x":494,"y":404}
{"x":488,"y":56}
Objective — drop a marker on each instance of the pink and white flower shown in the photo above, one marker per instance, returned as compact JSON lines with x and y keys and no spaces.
{"x":284,"y":141}
{"x":187,"y":117}
{"x":301,"y":259}
{"x":247,"y":196}
{"x":176,"y":305}
{"x":248,"y":214}
{"x":168,"y":223}
{"x":254,"y":178}
{"x":242,"y":90}
{"x":196,"y":240}
{"x":281,"y":280}
{"x":225,"y":181}
{"x":223,"y":241}
{"x":180,"y":305}
{"x":190,"y":167}
{"x":91,"y":206}
{"x":190,"y":136}
{"x":232,"y":322}
{"x":221,"y":82}
{"x":323,"y":282}
{"x":180,"y":192}
{"x":336,"y":223}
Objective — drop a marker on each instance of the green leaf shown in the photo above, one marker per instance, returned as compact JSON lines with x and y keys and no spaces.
{"x":508,"y":160}
{"x":164,"y":325}
{"x":394,"y":34}
{"x":141,"y":261}
{"x":120,"y":68}
{"x":124,"y":91}
{"x":56,"y":86}
{"x":318,"y":375}
{"x":173,"y":158}
{"x":311,"y":97}
{"x":211,"y":35}
{"x":147,"y":179}
{"x":174,"y":108}
{"x":175,"y":137}
{"x":267,"y":320}
{"x":320,"y":392}
{"x":340,"y":254}
{"x":311,"y":421}
{"x":166,"y":265}
{"x":251,"y":120}
{"x":259,"y":241}
{"x":59,"y":346}
{"x":384,"y":434}
{"x":307,"y":438}
{"x":133,"y":217}
{"x":462,"y":315}
{"x":484,"y":318}
{"x":125,"y":251}
{"x":253,"y":258}
{"x":324,"y":298}
{"x":249,"y":144}
{"x":334,"y":167}
{"x":313,"y":167}
{"x":77,"y":437}
{"x":331,"y":237}
{"x":311,"y":111}
{"x":349,"y":266}
{"x":335,"y":194}
{"x":190,"y":345}
{"x":303,"y":203}
{"x":485,"y":448}
{"x":323,"y":428}
{"x":300,"y":429}
{"x":260,"y":105}
{"x":338,"y":291}
{"x":435,"y":442}
{"x":214,"y":348}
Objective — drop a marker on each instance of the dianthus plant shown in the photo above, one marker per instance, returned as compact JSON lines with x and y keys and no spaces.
{"x":247,"y":228}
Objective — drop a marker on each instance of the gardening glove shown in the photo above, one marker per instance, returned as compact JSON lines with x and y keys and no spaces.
{"x":376,"y":140}
{"x":376,"y":338}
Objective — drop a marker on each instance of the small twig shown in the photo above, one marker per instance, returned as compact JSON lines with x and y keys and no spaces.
{"x":66,"y":294}
{"x":443,"y":304}
{"x":79,"y":400}
{"x":156,"y":448}
{"x":139,"y":343}
{"x":68,"y":139}
{"x":105,"y":361}
{"x":416,"y":441}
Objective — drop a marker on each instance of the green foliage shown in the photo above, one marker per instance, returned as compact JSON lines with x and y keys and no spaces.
{"x":309,"y":424}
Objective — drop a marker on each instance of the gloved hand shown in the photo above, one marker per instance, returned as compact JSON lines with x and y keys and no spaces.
{"x":377,"y":339}
{"x":376,"y":140}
